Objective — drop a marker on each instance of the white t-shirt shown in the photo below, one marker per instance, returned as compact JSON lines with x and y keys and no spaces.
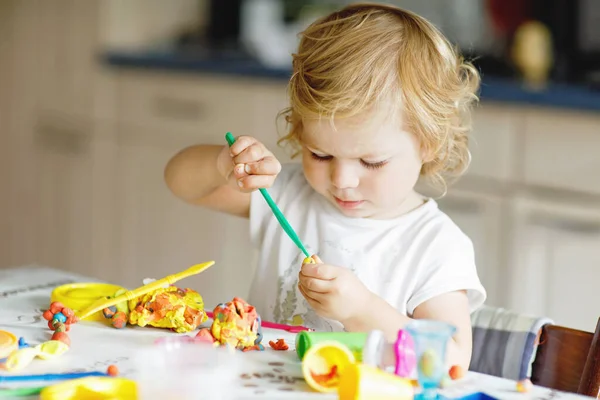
{"x":406,"y":260}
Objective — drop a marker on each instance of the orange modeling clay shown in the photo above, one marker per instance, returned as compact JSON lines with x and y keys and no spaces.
{"x":329,"y":379}
{"x":279,"y":345}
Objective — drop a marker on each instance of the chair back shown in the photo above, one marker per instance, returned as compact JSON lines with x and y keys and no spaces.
{"x":568,"y":360}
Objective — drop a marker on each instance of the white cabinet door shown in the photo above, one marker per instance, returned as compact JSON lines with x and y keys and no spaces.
{"x":554,"y":268}
{"x":160,"y":234}
{"x":18,"y":88}
{"x":480,"y":218}
{"x":67,"y":56}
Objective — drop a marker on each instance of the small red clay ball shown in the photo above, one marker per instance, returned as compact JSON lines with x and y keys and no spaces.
{"x":48,"y":315}
{"x":67,"y":312}
{"x":112,"y":370}
{"x":456,"y":372}
{"x":63,"y":337}
{"x":56,"y":307}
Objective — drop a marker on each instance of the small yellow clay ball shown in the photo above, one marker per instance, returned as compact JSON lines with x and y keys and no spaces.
{"x":308,"y":260}
{"x":524,"y":386}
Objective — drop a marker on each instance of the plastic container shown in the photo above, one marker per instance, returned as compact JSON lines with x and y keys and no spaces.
{"x":366,"y":382}
{"x":324,"y":364}
{"x":430,"y":338}
{"x":178,"y":369}
{"x":397,"y":357}
{"x":78,"y":296}
{"x":91,"y":388}
{"x":8,"y":344}
{"x":352,"y":340}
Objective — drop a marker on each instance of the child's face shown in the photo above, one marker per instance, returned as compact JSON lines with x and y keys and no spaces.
{"x":367,"y":166}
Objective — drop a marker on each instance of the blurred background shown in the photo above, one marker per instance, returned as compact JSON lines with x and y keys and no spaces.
{"x":97,"y":95}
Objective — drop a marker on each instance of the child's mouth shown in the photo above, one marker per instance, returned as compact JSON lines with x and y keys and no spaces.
{"x":348,"y":205}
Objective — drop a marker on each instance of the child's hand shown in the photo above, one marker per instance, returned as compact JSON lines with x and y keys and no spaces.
{"x":333,"y":292}
{"x":254,"y":166}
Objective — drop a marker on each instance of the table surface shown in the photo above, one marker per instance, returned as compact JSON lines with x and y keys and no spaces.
{"x":269,"y":374}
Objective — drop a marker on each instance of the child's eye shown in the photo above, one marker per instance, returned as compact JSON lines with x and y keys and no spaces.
{"x":375,"y":165}
{"x":320,"y":158}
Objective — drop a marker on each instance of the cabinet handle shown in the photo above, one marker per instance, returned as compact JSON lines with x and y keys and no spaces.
{"x":60,"y":140}
{"x":565,"y":224}
{"x":177,"y":108}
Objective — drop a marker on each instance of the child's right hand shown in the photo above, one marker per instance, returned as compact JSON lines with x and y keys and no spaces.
{"x":254,"y":166}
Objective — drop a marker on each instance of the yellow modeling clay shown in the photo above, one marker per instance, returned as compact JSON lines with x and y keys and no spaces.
{"x":46,"y":351}
{"x":181,"y":310}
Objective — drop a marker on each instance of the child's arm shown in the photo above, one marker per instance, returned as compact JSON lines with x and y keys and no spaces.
{"x":450,"y":307}
{"x":337,"y":293}
{"x":221,"y":178}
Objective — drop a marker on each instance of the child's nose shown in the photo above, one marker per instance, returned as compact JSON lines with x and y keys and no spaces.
{"x":343,"y":176}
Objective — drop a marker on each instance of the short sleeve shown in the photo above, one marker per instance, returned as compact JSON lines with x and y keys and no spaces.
{"x":450,"y":266}
{"x":260,"y":213}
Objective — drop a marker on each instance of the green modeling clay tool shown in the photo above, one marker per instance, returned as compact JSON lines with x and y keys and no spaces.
{"x":278,"y":214}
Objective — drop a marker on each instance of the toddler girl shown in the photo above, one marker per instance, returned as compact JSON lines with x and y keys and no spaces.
{"x":378,"y":99}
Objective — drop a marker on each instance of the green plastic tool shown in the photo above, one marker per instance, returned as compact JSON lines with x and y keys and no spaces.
{"x":21,"y":392}
{"x":276,"y":211}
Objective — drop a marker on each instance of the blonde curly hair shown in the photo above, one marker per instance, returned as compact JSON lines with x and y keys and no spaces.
{"x":364,"y":55}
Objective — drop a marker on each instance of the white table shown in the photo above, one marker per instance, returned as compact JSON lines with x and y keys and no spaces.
{"x":270,"y":374}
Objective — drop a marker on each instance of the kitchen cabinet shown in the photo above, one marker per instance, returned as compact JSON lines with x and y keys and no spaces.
{"x":67,"y":38}
{"x":160,"y":234}
{"x":554,"y":261}
{"x":18,"y":78}
{"x":480,"y":217}
{"x":77,"y":220}
{"x":560,"y":150}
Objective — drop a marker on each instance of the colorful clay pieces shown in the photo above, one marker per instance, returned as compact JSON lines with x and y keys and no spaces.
{"x":235,"y":324}
{"x":181,"y":310}
{"x":59,"y":320}
{"x":280,"y":345}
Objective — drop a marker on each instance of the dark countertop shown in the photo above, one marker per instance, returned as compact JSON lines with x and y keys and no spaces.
{"x":492,"y":89}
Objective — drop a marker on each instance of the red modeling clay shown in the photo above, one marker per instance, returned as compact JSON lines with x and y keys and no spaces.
{"x":279,"y":345}
{"x":329,"y":379}
{"x":456,"y":372}
{"x":112,"y":370}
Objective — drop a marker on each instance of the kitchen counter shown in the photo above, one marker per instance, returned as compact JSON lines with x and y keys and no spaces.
{"x":493,"y":89}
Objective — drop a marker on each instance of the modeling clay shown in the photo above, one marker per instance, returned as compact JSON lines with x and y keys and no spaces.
{"x":24,"y":356}
{"x":181,"y":310}
{"x":112,"y":370}
{"x":428,"y":363}
{"x":279,"y":345}
{"x":524,"y":386}
{"x":456,"y":372}
{"x":330,"y":379}
{"x":235,"y":324}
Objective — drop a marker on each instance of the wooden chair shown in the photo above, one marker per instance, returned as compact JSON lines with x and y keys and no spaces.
{"x":568,"y":360}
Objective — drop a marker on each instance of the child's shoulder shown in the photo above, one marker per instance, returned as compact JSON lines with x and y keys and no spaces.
{"x":436,"y":228}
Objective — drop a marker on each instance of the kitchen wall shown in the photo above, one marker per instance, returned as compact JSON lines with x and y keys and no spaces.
{"x":94,"y":101}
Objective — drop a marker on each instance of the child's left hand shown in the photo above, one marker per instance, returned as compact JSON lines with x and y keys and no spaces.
{"x":333,"y":292}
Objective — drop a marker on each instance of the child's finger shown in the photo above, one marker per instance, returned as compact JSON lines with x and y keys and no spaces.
{"x":319,"y":271}
{"x":241,"y":144}
{"x":314,"y":285}
{"x":307,"y":296}
{"x":267,"y":166}
{"x":254,"y":152}
{"x":253,"y":182}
